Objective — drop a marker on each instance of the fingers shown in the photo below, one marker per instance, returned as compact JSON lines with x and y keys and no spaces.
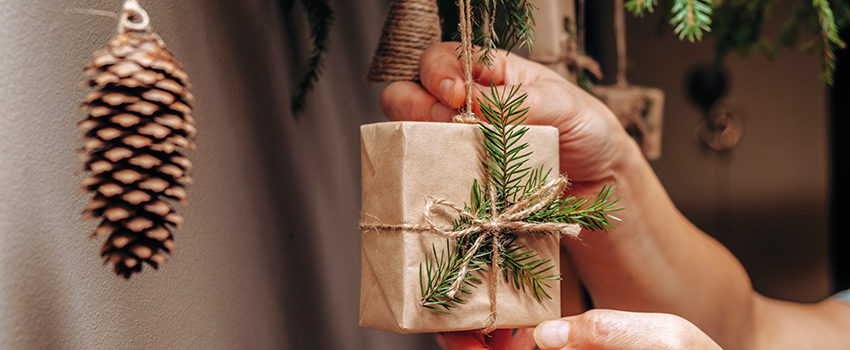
{"x":408,"y":101}
{"x":619,"y":330}
{"x":441,"y":72}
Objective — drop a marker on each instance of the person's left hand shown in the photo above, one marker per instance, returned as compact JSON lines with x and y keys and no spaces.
{"x":596,"y":329}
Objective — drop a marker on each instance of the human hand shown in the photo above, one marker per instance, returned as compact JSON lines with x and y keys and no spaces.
{"x":619,"y":330}
{"x":592,"y":142}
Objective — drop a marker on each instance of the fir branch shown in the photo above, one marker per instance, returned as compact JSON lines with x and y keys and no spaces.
{"x":637,"y":7}
{"x":441,"y":273}
{"x":527,"y":271}
{"x":507,"y":24}
{"x":830,"y":40}
{"x":320,"y":16}
{"x":594,"y":215}
{"x":691,"y":18}
{"x":505,"y":159}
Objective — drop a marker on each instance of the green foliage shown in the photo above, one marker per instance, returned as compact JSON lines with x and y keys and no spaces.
{"x":595,"y":215}
{"x":510,"y":181}
{"x":738,"y":26}
{"x":638,"y":7}
{"x":497,"y":24}
{"x":830,"y":40}
{"x":506,"y":156}
{"x":320,"y":16}
{"x":691,"y":18}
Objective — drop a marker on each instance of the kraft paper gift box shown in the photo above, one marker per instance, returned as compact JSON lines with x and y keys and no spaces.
{"x":403,"y":165}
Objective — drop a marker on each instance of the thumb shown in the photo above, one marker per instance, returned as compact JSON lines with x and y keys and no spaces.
{"x":620,"y":330}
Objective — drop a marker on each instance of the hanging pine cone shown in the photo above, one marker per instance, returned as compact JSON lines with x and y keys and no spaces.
{"x":138,"y":116}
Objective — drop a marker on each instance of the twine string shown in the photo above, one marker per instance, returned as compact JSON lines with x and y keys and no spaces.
{"x":620,"y":32}
{"x":465,"y":29}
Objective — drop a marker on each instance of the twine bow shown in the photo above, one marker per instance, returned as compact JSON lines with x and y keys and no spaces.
{"x":511,"y":218}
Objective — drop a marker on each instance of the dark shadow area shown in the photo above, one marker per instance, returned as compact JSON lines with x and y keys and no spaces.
{"x":840,"y":147}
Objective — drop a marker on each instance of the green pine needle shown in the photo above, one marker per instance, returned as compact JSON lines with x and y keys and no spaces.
{"x":638,"y":7}
{"x":691,"y":18}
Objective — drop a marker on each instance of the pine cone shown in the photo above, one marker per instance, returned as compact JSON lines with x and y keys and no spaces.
{"x":138,"y":116}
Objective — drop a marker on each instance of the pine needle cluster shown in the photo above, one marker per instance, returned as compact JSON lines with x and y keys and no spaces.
{"x":502,"y":24}
{"x":738,"y":25}
{"x":509,"y":180}
{"x":320,"y":17}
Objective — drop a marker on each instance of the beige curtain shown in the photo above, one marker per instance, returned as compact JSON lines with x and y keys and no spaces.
{"x":269,"y":256}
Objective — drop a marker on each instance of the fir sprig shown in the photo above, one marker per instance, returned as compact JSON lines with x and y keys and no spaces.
{"x":691,"y":18}
{"x":509,"y":181}
{"x":830,"y":40}
{"x":639,"y":7}
{"x":594,"y":215}
{"x":527,"y":271}
{"x":502,"y":24}
{"x":320,"y":16}
{"x":506,"y":156}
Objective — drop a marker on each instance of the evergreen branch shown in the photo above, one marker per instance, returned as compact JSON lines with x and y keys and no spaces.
{"x":527,"y":271}
{"x":830,"y":40}
{"x":320,"y":17}
{"x":508,"y":24}
{"x":441,"y":273}
{"x":505,"y":158}
{"x":691,"y":18}
{"x":595,"y":215}
{"x":637,"y":7}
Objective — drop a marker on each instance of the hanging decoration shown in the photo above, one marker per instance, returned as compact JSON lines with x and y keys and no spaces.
{"x":138,"y":117}
{"x":640,"y":109}
{"x":410,"y":28}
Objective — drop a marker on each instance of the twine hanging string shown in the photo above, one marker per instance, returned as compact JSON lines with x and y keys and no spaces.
{"x":510,"y":219}
{"x":620,"y":32}
{"x":465,"y":29}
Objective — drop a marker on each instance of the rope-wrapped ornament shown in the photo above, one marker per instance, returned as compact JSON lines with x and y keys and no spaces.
{"x":138,"y":117}
{"x":410,"y":28}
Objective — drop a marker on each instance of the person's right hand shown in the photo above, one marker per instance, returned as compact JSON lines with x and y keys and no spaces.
{"x":592,"y":142}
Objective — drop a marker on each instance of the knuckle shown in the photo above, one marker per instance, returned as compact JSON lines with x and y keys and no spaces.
{"x":600,"y":325}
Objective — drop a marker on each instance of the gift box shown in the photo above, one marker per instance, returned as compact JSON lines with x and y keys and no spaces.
{"x":404,"y":166}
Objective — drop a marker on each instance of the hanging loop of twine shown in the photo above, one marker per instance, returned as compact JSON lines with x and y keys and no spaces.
{"x":510,"y":219}
{"x":133,"y":18}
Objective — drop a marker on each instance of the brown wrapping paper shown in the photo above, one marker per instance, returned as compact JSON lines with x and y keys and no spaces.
{"x":403,"y":165}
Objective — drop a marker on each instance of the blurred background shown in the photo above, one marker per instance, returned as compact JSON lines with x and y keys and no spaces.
{"x":269,"y":254}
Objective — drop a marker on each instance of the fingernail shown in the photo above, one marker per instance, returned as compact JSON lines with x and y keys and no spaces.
{"x":553,"y":334}
{"x":447,"y":90}
{"x":441,"y":341}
